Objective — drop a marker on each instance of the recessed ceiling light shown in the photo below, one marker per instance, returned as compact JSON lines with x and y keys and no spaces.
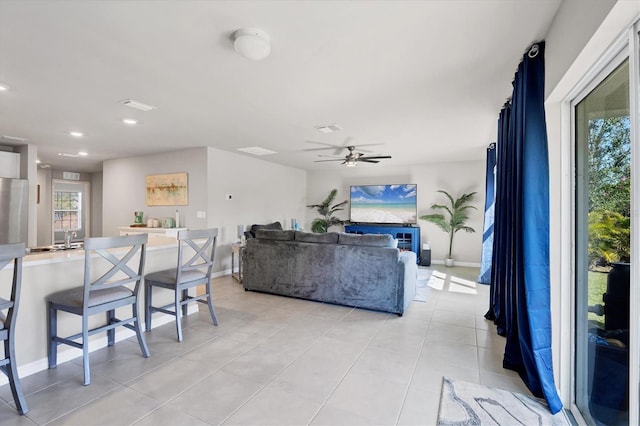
{"x":329,"y":128}
{"x":130,"y":121}
{"x":38,"y":161}
{"x":45,"y":166}
{"x":137,"y":105}
{"x":3,"y":87}
{"x":83,"y":153}
{"x":256,"y":150}
{"x":76,"y":134}
{"x":66,"y":154}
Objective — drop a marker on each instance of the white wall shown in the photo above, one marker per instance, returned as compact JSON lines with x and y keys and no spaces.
{"x":261,"y":192}
{"x":124,"y":190}
{"x":455,"y":178}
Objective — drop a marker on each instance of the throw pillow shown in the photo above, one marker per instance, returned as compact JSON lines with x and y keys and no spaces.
{"x":274,"y":234}
{"x":310,"y":237}
{"x":371,"y":240}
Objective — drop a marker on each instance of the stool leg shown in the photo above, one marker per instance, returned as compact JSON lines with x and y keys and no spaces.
{"x":52,"y":332}
{"x":214,"y":318}
{"x":111,"y":334}
{"x":14,"y":380}
{"x":139,"y":335}
{"x":178,"y":315}
{"x":147,"y":306}
{"x":85,"y":350}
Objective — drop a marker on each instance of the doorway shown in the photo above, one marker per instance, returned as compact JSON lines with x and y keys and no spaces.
{"x":602,"y":129}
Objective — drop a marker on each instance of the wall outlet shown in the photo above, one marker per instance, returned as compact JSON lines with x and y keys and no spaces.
{"x":228,"y":197}
{"x":201,"y":214}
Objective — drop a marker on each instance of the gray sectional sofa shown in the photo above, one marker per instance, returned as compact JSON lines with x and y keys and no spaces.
{"x":365,"y":271}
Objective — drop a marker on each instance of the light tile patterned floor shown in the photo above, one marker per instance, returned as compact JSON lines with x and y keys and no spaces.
{"x":275,"y":360}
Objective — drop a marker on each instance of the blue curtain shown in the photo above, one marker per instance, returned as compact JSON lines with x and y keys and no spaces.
{"x":520,"y":288}
{"x":489,"y":202}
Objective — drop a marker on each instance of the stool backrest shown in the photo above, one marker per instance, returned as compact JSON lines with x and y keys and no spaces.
{"x":12,"y":253}
{"x":203,"y":248}
{"x":118,"y":272}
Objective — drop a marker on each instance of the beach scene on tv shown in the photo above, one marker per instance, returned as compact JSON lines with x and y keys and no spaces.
{"x":384,"y":204}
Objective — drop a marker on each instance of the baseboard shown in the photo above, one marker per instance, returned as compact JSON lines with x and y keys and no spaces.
{"x":458,"y":263}
{"x":69,"y":353}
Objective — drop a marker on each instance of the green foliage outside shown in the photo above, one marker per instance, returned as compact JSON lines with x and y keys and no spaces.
{"x":457,"y":216}
{"x":597,"y":286}
{"x":609,"y":238}
{"x":321,"y":225}
{"x":609,"y":190}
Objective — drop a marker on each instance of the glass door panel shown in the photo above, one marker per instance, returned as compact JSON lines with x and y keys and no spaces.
{"x":603,"y":218}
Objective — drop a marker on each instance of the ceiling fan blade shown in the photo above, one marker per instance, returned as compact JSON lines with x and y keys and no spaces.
{"x":375,"y":157}
{"x":330,"y":156}
{"x":365,"y":160}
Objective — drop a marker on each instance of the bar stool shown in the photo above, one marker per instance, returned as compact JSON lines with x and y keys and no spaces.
{"x":194,"y":271}
{"x":101,"y":295}
{"x":12,"y":253}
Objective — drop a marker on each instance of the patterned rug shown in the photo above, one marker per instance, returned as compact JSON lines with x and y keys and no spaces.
{"x":464,"y":403}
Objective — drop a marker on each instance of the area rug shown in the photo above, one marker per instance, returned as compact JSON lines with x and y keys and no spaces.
{"x":424,"y":274}
{"x":464,"y":403}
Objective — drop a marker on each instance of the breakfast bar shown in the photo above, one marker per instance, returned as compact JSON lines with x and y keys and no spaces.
{"x":44,"y":273}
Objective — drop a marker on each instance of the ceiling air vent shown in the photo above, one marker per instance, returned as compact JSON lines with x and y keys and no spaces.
{"x":329,"y":129}
{"x":256,"y":150}
{"x":137,"y":105}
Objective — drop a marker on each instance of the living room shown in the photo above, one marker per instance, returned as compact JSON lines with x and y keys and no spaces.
{"x":578,"y":36}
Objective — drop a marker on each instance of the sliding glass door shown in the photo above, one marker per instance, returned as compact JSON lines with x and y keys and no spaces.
{"x":603,"y":247}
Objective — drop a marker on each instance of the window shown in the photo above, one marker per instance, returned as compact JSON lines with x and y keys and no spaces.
{"x":67,"y":210}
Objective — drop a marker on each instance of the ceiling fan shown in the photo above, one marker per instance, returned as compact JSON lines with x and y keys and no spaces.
{"x":352,"y":158}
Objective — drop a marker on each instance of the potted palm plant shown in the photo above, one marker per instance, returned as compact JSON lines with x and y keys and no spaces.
{"x":322,"y":224}
{"x":455,"y":220}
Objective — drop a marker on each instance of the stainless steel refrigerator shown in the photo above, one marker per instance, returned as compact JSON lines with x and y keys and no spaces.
{"x":14,"y":210}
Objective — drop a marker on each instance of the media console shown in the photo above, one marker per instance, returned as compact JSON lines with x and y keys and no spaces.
{"x":408,"y":236}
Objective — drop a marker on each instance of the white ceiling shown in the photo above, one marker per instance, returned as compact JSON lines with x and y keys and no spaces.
{"x":422,"y":79}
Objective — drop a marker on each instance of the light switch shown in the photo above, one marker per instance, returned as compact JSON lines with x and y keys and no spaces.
{"x":201,"y":214}
{"x":228,"y":197}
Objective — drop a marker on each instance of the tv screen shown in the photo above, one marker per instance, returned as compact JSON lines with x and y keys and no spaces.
{"x":384,"y":204}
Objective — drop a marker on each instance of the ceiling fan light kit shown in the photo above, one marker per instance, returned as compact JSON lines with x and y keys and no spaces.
{"x":252,"y":43}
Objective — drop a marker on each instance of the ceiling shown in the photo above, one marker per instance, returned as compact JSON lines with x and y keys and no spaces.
{"x":422,"y":81}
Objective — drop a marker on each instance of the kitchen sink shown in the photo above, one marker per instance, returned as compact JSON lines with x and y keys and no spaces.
{"x":55,"y":247}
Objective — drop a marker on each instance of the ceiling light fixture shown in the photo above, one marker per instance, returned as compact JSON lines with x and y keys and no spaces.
{"x":14,"y":138}
{"x":329,"y":128}
{"x":130,"y":121}
{"x":137,"y":105}
{"x":76,"y":134}
{"x":66,"y":154}
{"x":3,"y":87}
{"x":350,"y":163}
{"x":83,"y":153}
{"x":252,"y":43}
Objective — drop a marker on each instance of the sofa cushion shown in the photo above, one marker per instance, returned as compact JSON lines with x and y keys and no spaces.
{"x":274,"y":234}
{"x":371,"y":240}
{"x":309,"y":237}
{"x":251,"y":233}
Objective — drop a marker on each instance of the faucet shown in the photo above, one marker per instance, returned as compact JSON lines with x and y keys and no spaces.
{"x":68,"y":235}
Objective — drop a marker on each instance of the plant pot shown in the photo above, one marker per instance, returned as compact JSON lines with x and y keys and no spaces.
{"x":448,"y":261}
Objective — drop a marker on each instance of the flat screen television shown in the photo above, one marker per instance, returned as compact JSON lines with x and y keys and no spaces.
{"x":384,"y":204}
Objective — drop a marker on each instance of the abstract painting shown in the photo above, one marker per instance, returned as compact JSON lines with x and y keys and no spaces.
{"x":167,"y":190}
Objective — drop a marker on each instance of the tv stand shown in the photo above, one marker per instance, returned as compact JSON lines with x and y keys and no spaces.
{"x":408,"y":236}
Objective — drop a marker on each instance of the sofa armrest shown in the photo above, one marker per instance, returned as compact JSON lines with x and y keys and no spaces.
{"x":409,"y":262}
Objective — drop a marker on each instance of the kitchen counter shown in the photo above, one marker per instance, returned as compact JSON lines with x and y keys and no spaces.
{"x":47,"y":272}
{"x":153,"y":232}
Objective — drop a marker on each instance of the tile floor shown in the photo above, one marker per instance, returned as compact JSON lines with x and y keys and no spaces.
{"x":280,"y":361}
